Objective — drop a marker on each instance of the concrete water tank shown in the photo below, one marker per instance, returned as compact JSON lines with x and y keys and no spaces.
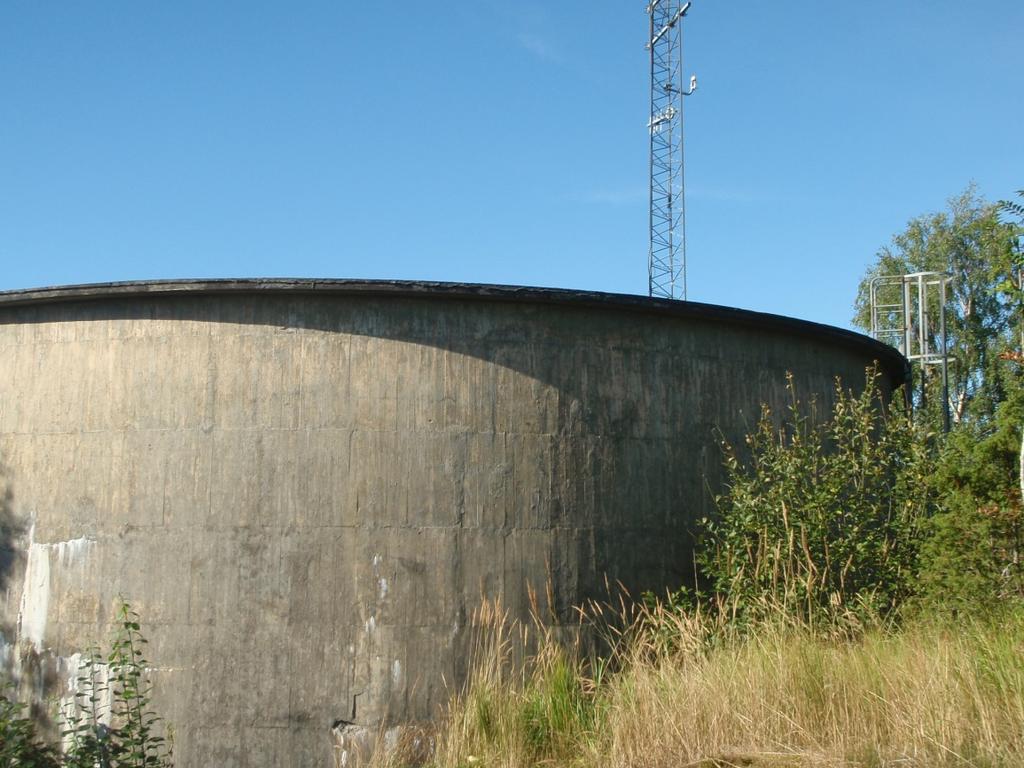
{"x":306,"y":486}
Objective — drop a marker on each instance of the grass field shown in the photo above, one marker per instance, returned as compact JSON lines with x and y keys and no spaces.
{"x":677,"y":690}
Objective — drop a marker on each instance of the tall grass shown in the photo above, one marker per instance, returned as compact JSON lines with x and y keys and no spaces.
{"x":680,"y":689}
{"x":530,"y":698}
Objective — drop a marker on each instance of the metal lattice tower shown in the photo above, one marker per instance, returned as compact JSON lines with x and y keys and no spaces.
{"x":666,"y":266}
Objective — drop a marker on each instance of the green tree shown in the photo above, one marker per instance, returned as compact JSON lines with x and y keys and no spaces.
{"x":978,"y":251}
{"x":970,"y":559}
{"x":1012,"y":286}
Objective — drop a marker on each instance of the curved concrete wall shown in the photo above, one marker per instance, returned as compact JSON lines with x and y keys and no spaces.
{"x":306,"y":487}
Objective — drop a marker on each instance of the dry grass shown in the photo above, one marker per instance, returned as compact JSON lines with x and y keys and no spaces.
{"x":678,"y":690}
{"x":925,"y":696}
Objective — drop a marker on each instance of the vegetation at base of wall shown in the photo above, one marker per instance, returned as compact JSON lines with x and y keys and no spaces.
{"x":861,"y":517}
{"x":909,"y":654}
{"x":691,"y":689}
{"x":20,"y":745}
{"x":863,"y":595}
{"x":108,"y":725}
{"x":823,"y":521}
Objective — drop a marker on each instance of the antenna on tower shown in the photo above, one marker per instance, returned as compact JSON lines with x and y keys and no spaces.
{"x":666,"y":265}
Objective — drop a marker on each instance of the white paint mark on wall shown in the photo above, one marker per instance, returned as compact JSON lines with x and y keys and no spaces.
{"x":396,"y":671}
{"x":5,"y":652}
{"x":35,"y":594}
{"x":71,"y":551}
{"x":70,"y":666}
{"x":68,"y":704}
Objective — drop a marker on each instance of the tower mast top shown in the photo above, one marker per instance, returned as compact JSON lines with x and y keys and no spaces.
{"x":666,"y":265}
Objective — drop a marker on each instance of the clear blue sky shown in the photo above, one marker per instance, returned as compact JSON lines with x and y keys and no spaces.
{"x":491,"y":141}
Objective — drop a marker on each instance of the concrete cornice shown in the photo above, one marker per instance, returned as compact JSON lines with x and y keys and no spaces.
{"x":895,"y":364}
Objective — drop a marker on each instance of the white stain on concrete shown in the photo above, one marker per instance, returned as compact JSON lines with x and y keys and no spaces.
{"x":72,"y":551}
{"x":90,"y":681}
{"x":377,"y":560}
{"x":70,"y":666}
{"x":396,"y":671}
{"x":162,"y":670}
{"x":382,"y":588}
{"x":5,"y":652}
{"x":68,"y":705}
{"x":391,"y":737}
{"x":353,"y":744}
{"x":35,"y":594}
{"x":370,"y":625}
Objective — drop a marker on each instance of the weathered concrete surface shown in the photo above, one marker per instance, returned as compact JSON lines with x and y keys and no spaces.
{"x":306,"y":487}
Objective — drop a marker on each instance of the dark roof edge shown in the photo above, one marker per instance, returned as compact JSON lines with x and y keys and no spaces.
{"x":894,"y":362}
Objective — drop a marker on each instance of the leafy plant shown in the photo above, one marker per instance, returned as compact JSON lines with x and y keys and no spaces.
{"x":20,"y":747}
{"x":969,"y":564}
{"x":109,"y":724}
{"x":1014,"y":208}
{"x":822,"y":520}
{"x":136,"y":738}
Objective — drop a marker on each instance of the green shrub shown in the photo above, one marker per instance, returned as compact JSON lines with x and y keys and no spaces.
{"x":823,"y":520}
{"x":20,"y":747}
{"x":969,"y":561}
